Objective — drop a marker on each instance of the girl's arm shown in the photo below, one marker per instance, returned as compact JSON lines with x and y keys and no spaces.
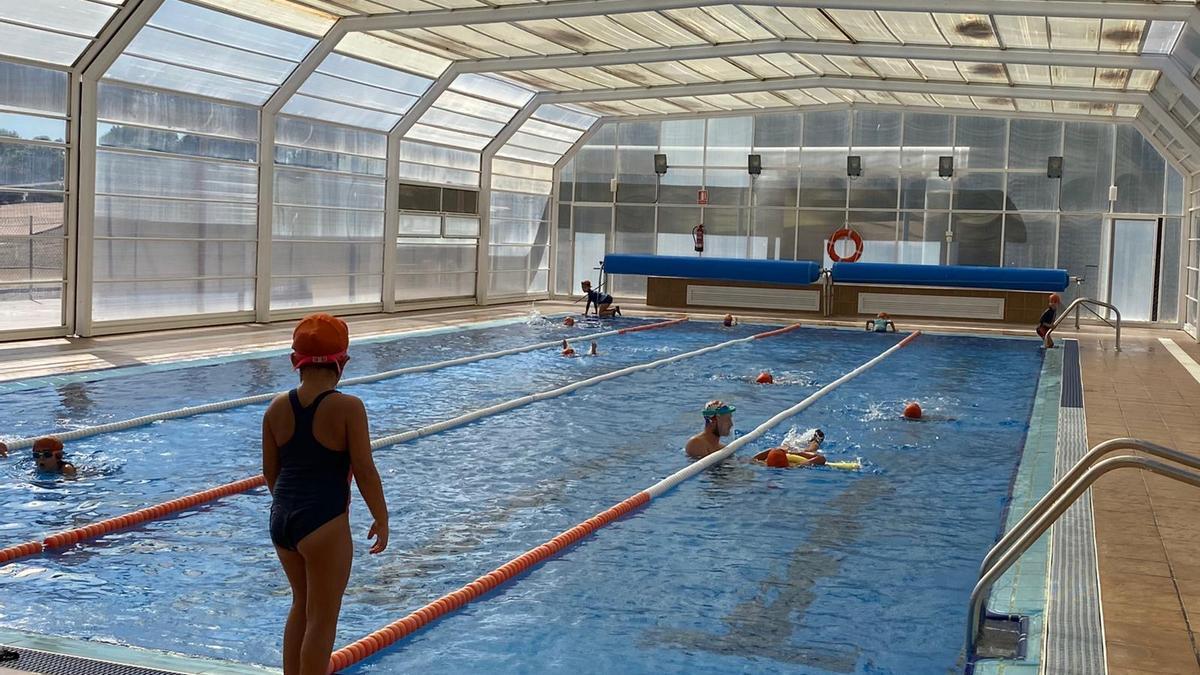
{"x":365,"y":474}
{"x":270,"y":452}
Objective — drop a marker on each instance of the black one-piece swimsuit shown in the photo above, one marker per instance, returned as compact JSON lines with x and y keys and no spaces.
{"x":313,"y":486}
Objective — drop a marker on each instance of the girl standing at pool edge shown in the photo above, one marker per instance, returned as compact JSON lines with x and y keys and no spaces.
{"x":314,"y":440}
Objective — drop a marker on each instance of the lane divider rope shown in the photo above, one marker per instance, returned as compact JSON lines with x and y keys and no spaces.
{"x":76,"y":535}
{"x":122,"y":425}
{"x":397,"y":630}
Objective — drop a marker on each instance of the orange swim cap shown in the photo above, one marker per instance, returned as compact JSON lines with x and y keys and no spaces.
{"x":777,"y":458}
{"x":1055,"y":299}
{"x":913,"y":411}
{"x":48,"y":443}
{"x":568,"y":321}
{"x":765,"y":378}
{"x":319,"y":338}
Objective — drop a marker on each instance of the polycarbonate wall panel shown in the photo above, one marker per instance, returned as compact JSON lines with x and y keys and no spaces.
{"x":33,"y":161}
{"x":175,"y":218}
{"x":327,"y":236}
{"x":999,"y":208}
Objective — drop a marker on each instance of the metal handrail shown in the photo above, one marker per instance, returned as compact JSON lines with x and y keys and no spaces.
{"x":1078,"y":303}
{"x":1091,"y":457}
{"x":1034,"y":531}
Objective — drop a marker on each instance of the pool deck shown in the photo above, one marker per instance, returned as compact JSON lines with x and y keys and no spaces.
{"x":1147,"y":527}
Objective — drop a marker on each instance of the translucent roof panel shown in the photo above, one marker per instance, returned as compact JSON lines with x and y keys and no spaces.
{"x":470,"y":113}
{"x":351,"y":91}
{"x":54,"y":32}
{"x":192,"y":49}
{"x":280,"y":13}
{"x":544,"y":140}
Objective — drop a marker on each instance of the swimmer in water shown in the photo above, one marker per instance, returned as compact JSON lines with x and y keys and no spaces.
{"x":569,"y":322}
{"x":567,"y":349}
{"x":881,"y":324}
{"x":48,"y":454}
{"x":594,"y":350}
{"x":780,"y":457}
{"x":314,"y":440}
{"x":729,"y":321}
{"x":718,"y":423}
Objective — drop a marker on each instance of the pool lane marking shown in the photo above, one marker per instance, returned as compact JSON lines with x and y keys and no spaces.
{"x":76,"y":535}
{"x":98,"y":529}
{"x":1189,"y":364}
{"x":510,"y":404}
{"x":397,"y":630}
{"x":217,"y":406}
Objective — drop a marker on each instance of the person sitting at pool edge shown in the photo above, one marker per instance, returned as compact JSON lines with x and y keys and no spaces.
{"x":315,"y":439}
{"x":1047,"y":321}
{"x":602,"y":301}
{"x":881,"y":323}
{"x":779,"y":457}
{"x":48,"y":454}
{"x":718,"y":423}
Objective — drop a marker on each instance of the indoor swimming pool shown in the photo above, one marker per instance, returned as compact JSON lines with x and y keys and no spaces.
{"x":739,"y":569}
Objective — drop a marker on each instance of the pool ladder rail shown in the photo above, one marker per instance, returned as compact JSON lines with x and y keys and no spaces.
{"x":1061,"y":496}
{"x":1086,"y":303}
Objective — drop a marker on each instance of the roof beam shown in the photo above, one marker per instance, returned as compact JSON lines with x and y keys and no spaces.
{"x":1182,"y":81}
{"x":306,"y":67}
{"x":1178,"y":134}
{"x":790,"y":46}
{"x":1074,"y":117}
{"x":425,"y":101}
{"x":921,"y":87}
{"x":577,"y":8}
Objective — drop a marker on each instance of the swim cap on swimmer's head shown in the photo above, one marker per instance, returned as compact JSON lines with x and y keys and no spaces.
{"x":320,"y":338}
{"x":716,"y":408}
{"x":47,"y":443}
{"x":1055,"y":299}
{"x":777,"y":458}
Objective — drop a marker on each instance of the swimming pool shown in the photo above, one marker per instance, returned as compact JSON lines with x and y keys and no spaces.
{"x":741,"y":568}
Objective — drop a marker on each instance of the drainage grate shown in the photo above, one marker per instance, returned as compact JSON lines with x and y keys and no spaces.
{"x":45,"y":663}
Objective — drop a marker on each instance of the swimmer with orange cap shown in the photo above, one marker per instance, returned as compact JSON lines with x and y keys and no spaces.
{"x":1046,"y":322}
{"x":314,"y":440}
{"x":729,"y":321}
{"x":567,"y":349}
{"x":48,"y":454}
{"x":718,"y":423}
{"x":778,"y":458}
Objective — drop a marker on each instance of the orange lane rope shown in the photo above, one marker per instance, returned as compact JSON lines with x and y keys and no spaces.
{"x":397,"y":630}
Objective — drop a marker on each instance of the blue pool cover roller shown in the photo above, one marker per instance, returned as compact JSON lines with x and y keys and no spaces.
{"x":955,"y":276}
{"x":725,"y":269}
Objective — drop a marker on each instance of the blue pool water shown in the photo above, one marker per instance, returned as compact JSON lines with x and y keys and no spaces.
{"x":741,"y":569}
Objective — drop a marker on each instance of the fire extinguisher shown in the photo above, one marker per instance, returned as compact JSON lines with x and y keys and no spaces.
{"x":698,"y":237}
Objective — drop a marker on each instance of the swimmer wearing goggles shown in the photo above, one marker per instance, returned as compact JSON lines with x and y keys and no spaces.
{"x":718,"y":423}
{"x":48,"y":454}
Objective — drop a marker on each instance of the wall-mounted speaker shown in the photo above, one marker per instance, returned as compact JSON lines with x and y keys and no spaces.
{"x":660,"y":164}
{"x":854,"y":165}
{"x":754,"y":164}
{"x":1054,"y":167}
{"x":946,"y":166}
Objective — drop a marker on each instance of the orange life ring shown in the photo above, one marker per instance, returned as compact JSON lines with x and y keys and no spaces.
{"x":840,"y":235}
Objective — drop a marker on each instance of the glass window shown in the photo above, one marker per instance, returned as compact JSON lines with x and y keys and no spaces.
{"x":1140,"y":173}
{"x":874,"y":192}
{"x":24,"y":42}
{"x":1032,"y":192}
{"x":979,"y":143}
{"x":682,"y":142}
{"x":826,"y":140}
{"x":1031,"y":142}
{"x":876,"y":138}
{"x":728,"y":141}
{"x":822,"y":190}
{"x":926,"y":137}
{"x":420,"y":198}
{"x":1030,"y":239}
{"x":1087,"y":167}
{"x":979,"y":191}
{"x":420,"y":225}
{"x":976,"y":239}
{"x":1079,"y":243}
{"x":32,"y":89}
{"x":177,"y":112}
